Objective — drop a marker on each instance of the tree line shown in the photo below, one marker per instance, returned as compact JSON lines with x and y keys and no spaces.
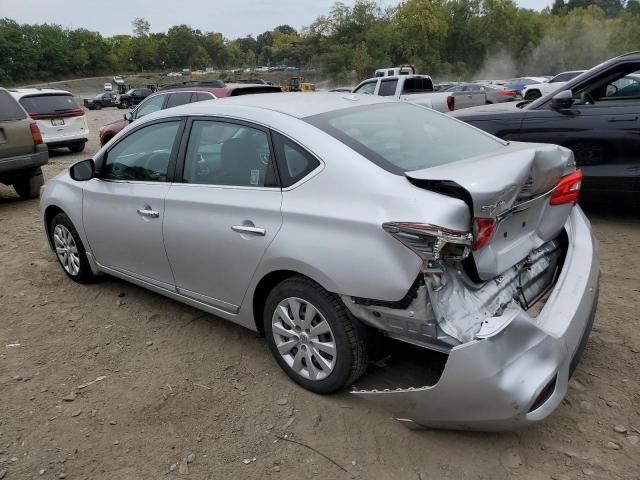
{"x":446,"y":38}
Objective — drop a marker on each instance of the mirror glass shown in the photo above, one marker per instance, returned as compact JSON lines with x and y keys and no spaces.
{"x":83,"y":171}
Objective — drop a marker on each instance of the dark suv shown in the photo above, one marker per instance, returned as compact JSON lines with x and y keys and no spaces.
{"x":134,"y":97}
{"x":22,"y":151}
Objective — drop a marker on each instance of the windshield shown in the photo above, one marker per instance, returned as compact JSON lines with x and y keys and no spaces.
{"x":129,"y":92}
{"x":401,"y":137}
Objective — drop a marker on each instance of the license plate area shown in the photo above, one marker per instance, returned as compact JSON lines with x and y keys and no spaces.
{"x":57,"y":122}
{"x":520,"y":222}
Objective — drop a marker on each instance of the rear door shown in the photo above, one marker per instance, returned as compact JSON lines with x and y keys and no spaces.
{"x":15,"y":134}
{"x":222,"y":217}
{"x":124,"y":207}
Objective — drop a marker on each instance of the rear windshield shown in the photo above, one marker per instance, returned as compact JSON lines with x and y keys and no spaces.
{"x":417,"y":85}
{"x":9,"y":109}
{"x":49,"y":104}
{"x":401,"y":137}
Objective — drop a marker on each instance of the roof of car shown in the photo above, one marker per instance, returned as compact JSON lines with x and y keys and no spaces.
{"x":23,"y":92}
{"x":299,"y":105}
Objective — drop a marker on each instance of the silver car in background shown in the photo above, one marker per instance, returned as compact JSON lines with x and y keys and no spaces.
{"x":326,"y":221}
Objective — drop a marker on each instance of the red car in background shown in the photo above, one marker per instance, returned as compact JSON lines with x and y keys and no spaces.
{"x":180,"y":94}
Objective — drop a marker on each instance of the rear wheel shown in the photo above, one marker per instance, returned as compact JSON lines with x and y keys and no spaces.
{"x":77,"y":147}
{"x":313,"y":337}
{"x":124,"y":104}
{"x":97,"y":106}
{"x":29,"y":186}
{"x":69,"y":249}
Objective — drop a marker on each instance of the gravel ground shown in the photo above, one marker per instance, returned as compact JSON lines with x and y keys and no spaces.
{"x":110,"y":381}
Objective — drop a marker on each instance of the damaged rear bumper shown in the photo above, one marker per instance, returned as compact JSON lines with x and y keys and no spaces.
{"x":495,"y":383}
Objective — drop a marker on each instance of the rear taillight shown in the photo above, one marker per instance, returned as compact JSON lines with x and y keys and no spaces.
{"x":507,"y":93}
{"x":35,"y":134}
{"x":568,"y":189}
{"x":483,"y":229}
{"x":431,"y":242}
{"x":451,"y":103}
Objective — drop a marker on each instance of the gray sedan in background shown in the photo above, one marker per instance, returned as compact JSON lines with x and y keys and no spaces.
{"x":494,"y":93}
{"x":327,"y":222}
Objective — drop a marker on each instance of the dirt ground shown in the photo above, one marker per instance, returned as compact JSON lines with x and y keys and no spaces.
{"x":110,"y":381}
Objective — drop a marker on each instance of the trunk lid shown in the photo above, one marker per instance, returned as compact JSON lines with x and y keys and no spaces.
{"x":512,"y":187}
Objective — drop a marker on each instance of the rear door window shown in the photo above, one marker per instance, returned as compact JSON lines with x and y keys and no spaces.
{"x":9,"y":108}
{"x":201,"y":96}
{"x":222,"y":153}
{"x":49,"y":104}
{"x":388,"y":88}
{"x":180,"y":98}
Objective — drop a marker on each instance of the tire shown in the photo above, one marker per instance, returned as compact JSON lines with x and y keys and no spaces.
{"x":124,"y":104}
{"x":532,"y":95}
{"x":332,"y":372}
{"x":77,"y":147}
{"x":63,"y":235}
{"x":105,"y":141}
{"x":97,"y":106}
{"x":29,"y":187}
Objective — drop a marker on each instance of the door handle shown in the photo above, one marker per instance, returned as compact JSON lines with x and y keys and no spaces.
{"x":623,"y":119}
{"x":469,"y":96}
{"x":261,"y":232}
{"x":148,"y":212}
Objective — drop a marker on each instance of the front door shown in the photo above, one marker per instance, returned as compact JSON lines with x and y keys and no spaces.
{"x":123,"y":209}
{"x":220,"y":220}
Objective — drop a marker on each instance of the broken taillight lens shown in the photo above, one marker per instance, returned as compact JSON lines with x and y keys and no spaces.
{"x":483,"y":229}
{"x":431,"y":242}
{"x":568,"y":189}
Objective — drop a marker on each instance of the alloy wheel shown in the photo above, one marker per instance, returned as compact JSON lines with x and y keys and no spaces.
{"x":304,"y":338}
{"x":66,"y":249}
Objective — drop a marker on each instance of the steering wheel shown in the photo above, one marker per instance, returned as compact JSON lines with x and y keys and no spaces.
{"x":587,"y":98}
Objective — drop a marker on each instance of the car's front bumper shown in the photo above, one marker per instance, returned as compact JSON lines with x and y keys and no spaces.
{"x":492,"y":383}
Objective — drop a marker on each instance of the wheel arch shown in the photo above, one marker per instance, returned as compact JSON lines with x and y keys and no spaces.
{"x":50,"y":212}
{"x":267,"y":283}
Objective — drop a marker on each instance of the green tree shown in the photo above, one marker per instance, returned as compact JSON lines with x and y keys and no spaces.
{"x":182,"y":44}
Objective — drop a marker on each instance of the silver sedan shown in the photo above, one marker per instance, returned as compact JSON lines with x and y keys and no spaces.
{"x":327,"y":222}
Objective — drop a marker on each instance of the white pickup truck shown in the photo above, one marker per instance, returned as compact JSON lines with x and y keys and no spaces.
{"x":419,"y":89}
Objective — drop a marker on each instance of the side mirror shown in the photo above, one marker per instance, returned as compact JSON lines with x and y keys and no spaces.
{"x":562,"y":100}
{"x":83,"y":171}
{"x":128,"y":117}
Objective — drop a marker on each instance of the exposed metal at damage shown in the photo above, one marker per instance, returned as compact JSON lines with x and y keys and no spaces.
{"x":493,"y":380}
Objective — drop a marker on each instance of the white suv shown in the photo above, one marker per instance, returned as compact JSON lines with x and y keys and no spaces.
{"x":59,"y":117}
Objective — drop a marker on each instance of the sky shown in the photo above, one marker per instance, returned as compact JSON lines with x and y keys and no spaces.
{"x":233,"y":18}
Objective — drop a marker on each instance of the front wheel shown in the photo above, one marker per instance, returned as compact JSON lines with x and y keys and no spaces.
{"x":29,"y":187}
{"x":532,"y":95}
{"x":313,"y":337}
{"x":69,"y":249}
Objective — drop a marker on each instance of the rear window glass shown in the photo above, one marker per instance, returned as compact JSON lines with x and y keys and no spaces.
{"x":417,"y":85}
{"x":401,"y":137}
{"x":49,"y":104}
{"x":9,"y":108}
{"x":294,"y":162}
